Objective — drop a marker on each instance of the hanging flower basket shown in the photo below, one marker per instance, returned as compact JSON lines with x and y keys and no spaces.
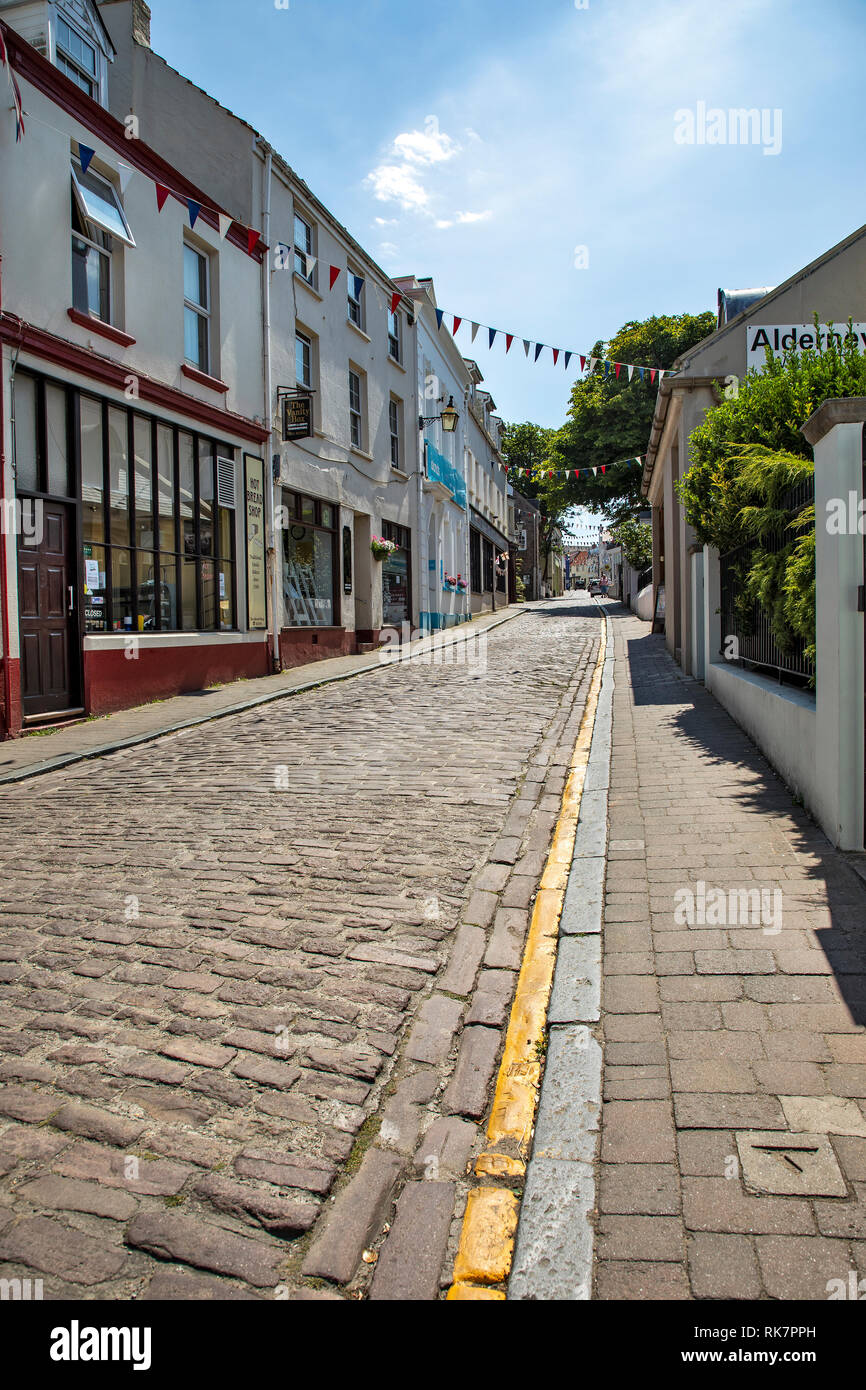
{"x":382,"y":549}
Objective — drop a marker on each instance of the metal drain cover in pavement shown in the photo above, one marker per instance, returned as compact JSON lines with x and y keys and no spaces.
{"x":790,"y":1165}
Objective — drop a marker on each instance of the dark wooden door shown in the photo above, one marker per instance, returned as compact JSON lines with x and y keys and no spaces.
{"x":46,"y":589}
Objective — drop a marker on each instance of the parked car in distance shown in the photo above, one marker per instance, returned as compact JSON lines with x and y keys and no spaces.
{"x":596,"y":588}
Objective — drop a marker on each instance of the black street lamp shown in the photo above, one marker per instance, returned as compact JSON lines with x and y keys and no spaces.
{"x":448,"y":417}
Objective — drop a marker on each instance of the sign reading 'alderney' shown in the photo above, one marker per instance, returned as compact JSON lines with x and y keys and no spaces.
{"x":794,"y":337}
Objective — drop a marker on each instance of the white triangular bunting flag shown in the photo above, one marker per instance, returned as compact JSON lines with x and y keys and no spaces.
{"x":475,"y":328}
{"x":661,"y":377}
{"x":592,"y":362}
{"x":312,"y":262}
{"x":594,"y":472}
{"x":526,"y":346}
{"x":225,"y":224}
{"x":630,"y":373}
{"x":125,"y":175}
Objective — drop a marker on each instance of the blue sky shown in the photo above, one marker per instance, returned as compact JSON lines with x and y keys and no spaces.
{"x":483,"y":141}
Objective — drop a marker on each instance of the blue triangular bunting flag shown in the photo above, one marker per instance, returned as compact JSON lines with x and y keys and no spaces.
{"x":358,"y":284}
{"x":85,"y":154}
{"x":568,"y":357}
{"x":194,"y":210}
{"x":607,"y":368}
{"x":491,"y":333}
{"x":641,"y":370}
{"x":440,"y":314}
{"x":539,"y":349}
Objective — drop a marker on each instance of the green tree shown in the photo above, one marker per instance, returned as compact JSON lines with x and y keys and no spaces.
{"x":746,"y":456}
{"x":610,"y":417}
{"x":528,"y":446}
{"x":636,"y":540}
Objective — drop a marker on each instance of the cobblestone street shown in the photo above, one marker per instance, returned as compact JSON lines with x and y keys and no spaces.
{"x":218,"y":955}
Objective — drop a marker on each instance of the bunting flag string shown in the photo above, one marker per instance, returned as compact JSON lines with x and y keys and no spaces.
{"x":574,"y":472}
{"x":652,"y":374}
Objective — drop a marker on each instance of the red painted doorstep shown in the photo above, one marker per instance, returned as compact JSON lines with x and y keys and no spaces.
{"x":111,"y":682}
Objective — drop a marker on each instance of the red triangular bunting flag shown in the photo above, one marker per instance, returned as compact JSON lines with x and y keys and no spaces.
{"x":509,"y":339}
{"x":457,"y":323}
{"x":335,"y":275}
{"x":253,"y":239}
{"x":582,"y":362}
{"x":395,"y":300}
{"x":652,"y":375}
{"x":161,"y":194}
{"x":618,"y":366}
{"x":555,"y":352}
{"x":603,"y":467}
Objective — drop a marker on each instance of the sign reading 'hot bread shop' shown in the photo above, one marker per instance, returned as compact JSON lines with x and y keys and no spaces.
{"x":297,"y":417}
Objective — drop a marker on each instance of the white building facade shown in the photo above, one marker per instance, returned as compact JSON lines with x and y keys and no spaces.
{"x":441,"y":490}
{"x":132,"y":389}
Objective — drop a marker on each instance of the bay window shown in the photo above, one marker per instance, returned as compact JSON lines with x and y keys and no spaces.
{"x":77,"y":58}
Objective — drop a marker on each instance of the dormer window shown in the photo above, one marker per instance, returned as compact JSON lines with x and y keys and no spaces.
{"x":77,"y":58}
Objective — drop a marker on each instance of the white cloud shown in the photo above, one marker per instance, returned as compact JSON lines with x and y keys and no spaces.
{"x":398,"y":179}
{"x":398,"y":183}
{"x":386,"y":221}
{"x":474,"y":216}
{"x":443,"y":223}
{"x":425,"y":146}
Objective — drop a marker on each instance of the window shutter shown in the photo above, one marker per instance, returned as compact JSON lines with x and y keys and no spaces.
{"x":226,"y":495}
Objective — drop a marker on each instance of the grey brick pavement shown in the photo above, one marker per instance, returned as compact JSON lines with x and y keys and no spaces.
{"x":715,"y":1029}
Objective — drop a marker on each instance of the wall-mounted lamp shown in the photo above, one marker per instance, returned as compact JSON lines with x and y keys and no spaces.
{"x":449,"y":418}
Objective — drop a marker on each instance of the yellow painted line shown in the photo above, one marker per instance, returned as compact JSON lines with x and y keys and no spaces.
{"x":490,"y":1223}
{"x":464,"y":1293}
{"x":487,"y":1238}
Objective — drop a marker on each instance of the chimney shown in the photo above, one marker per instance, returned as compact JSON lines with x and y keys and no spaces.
{"x":138,"y":18}
{"x":141,"y":22}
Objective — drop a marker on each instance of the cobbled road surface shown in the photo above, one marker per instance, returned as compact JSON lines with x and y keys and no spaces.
{"x":226,"y":954}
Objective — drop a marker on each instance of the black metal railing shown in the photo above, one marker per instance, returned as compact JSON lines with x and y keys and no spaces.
{"x":755,"y":646}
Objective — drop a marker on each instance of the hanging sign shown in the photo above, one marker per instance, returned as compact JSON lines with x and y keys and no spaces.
{"x":257,"y":585}
{"x":297,"y":417}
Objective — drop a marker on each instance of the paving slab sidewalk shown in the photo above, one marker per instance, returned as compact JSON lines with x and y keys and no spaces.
{"x":732,"y":1157}
{"x":36,"y":753}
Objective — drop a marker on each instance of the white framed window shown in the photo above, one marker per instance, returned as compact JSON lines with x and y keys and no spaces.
{"x":355,"y":298}
{"x":395,"y":422}
{"x":98,"y":220}
{"x":395,"y":336}
{"x":99,"y":204}
{"x":356,"y":418}
{"x":303,"y":360}
{"x":304,"y":251}
{"x":196,"y":308}
{"x":77,"y":58}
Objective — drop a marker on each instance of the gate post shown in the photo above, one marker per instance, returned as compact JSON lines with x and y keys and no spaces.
{"x":835,"y":432}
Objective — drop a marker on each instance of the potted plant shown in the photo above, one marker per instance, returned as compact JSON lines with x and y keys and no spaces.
{"x":382,"y":549}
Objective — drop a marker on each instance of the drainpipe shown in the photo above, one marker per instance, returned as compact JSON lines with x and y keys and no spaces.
{"x":270,"y":509}
{"x":4,"y":586}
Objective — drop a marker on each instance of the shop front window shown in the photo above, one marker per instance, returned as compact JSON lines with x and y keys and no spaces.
{"x":309,"y":558}
{"x":159,"y":545}
{"x":396,"y":600}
